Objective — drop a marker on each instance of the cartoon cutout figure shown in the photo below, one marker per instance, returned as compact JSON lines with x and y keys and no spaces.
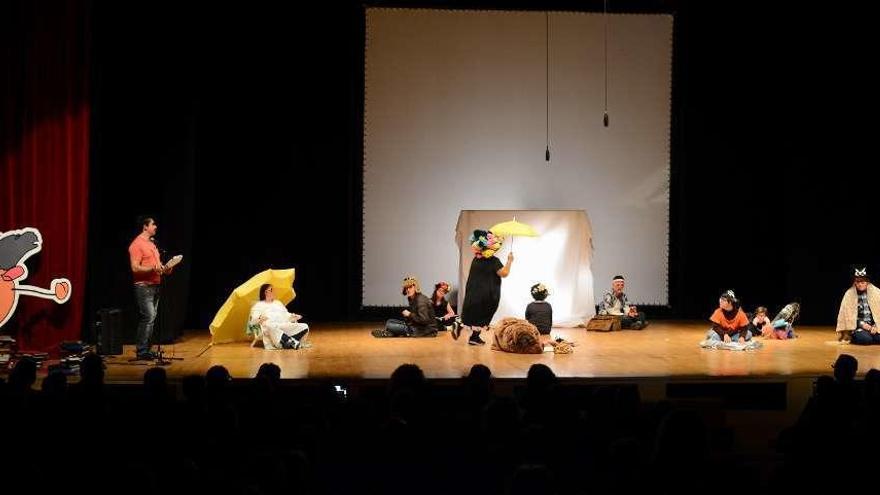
{"x":15,"y":247}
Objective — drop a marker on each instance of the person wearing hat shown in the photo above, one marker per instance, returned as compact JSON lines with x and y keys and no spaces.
{"x":539,"y":312}
{"x":856,"y":322}
{"x":729,"y":322}
{"x":418,"y":319}
{"x":446,"y":317}
{"x":614,"y":303}
{"x":483,"y":290}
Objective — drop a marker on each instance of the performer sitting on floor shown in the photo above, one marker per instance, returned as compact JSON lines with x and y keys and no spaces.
{"x":270,"y":321}
{"x":783,"y":322}
{"x":539,"y":312}
{"x":418,"y":320}
{"x":729,"y":322}
{"x":781,"y":327}
{"x":759,"y":323}
{"x":446,"y":317}
{"x":614,"y":303}
{"x":856,"y":322}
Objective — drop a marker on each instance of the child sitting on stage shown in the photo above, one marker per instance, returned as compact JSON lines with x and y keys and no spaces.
{"x":539,"y":312}
{"x":729,"y":322}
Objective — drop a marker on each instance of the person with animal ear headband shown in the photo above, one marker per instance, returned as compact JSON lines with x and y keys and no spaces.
{"x":857,"y":317}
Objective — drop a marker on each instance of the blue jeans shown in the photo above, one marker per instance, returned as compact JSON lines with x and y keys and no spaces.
{"x":147,"y":298}
{"x":712,"y":335}
{"x":628,"y":321}
{"x":398,"y":328}
{"x":863,"y":337}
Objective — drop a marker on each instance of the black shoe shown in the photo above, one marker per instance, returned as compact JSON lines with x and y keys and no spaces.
{"x":456,"y":331}
{"x":476,"y":340}
{"x":381,"y":333}
{"x":288,"y":342}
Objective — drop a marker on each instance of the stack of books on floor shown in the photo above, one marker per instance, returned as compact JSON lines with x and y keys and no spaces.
{"x":68,"y":365}
{"x":7,"y":349}
{"x":36,"y":356}
{"x":75,"y":348}
{"x":72,"y":353}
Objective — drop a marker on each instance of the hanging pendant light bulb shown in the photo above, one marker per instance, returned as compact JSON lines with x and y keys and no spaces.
{"x":605,"y":19}
{"x":547,"y":83}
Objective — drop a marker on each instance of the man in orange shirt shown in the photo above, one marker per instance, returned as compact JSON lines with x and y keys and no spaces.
{"x":147,"y":270}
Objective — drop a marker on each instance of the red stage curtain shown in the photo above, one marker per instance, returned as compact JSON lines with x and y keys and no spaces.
{"x":44,"y":172}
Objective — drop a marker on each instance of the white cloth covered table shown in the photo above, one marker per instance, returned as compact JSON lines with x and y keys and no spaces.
{"x":559,"y":258}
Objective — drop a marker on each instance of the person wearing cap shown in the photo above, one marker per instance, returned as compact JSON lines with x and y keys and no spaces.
{"x":483,"y":290}
{"x":856,"y":322}
{"x":418,"y":319}
{"x":614,"y":303}
{"x":729,"y":322}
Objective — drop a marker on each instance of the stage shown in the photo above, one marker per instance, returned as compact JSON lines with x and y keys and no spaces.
{"x":665,"y":350}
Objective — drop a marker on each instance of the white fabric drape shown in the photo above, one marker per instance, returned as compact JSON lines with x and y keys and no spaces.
{"x":560,"y":258}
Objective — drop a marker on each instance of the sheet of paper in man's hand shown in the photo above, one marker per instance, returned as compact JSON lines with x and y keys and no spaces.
{"x":174,"y":261}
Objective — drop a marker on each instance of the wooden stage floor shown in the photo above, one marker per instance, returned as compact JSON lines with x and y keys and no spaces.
{"x":667,"y":350}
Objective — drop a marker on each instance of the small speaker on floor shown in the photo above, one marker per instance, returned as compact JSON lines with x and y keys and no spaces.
{"x":108,"y":331}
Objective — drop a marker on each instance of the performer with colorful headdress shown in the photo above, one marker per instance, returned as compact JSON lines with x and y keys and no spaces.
{"x":483,"y":289}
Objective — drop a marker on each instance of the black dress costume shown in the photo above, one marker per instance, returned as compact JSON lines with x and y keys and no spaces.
{"x":482,"y":292}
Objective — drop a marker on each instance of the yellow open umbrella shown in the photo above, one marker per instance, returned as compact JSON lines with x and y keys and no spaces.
{"x":513,"y":228}
{"x":229,"y":325}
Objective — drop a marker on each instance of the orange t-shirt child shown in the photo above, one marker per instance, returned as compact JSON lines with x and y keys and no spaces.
{"x":729,"y":322}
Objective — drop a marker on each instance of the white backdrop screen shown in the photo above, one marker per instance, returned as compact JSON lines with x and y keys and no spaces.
{"x":455,"y":119}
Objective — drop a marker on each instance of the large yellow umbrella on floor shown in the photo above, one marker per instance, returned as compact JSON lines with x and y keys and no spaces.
{"x":229,"y":325}
{"x":513,"y":228}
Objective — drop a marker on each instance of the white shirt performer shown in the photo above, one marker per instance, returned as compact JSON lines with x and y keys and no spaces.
{"x":270,"y":320}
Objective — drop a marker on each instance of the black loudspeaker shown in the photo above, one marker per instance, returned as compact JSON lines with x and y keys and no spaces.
{"x":108,"y":331}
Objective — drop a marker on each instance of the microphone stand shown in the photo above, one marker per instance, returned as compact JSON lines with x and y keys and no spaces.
{"x":161,"y":360}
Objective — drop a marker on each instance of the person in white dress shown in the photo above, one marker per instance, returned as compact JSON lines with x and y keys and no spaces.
{"x":277,"y":327}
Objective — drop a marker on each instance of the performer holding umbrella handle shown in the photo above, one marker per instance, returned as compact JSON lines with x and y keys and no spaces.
{"x":483,"y":289}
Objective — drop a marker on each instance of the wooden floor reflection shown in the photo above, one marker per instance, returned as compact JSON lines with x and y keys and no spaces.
{"x":663,"y":350}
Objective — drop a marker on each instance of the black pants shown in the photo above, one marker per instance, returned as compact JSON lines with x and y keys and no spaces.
{"x":628,"y":321}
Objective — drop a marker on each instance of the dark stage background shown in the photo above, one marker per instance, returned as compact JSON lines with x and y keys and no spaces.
{"x":238,"y":125}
